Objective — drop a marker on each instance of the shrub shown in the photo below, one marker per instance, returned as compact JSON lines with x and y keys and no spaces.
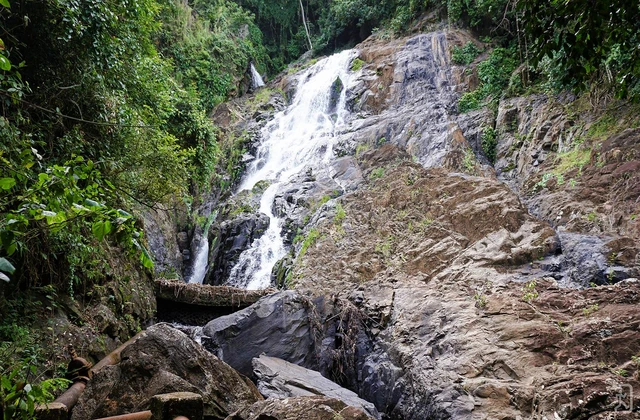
{"x":466,"y":54}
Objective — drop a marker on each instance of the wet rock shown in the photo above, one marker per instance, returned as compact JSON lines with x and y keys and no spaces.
{"x":308,"y":408}
{"x":336,"y":90}
{"x":280,"y":379}
{"x":233,"y":237}
{"x":183,"y":240}
{"x":164,"y":360}
{"x":299,"y":199}
{"x":276,"y":325}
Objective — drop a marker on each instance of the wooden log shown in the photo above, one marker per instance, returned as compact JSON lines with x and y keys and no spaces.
{"x":206,"y":295}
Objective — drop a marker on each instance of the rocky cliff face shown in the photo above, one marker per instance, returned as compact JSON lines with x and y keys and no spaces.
{"x":441,"y":286}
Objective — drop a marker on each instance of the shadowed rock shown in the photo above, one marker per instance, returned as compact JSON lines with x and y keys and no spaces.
{"x":277,"y":325}
{"x":280,"y":379}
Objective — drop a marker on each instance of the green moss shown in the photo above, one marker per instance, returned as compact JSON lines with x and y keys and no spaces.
{"x":362,"y":148}
{"x":340,"y":214}
{"x":309,"y":240}
{"x":376,"y":174}
{"x":357,"y":64}
{"x":604,"y":127}
{"x":576,"y":158}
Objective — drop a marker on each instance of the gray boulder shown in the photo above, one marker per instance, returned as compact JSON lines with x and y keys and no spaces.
{"x":234,"y":237}
{"x":280,"y":379}
{"x":277,"y":325}
{"x":164,"y":360}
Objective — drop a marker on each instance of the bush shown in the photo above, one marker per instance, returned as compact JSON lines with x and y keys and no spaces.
{"x":489,"y":143}
{"x":494,"y":74}
{"x":466,"y":54}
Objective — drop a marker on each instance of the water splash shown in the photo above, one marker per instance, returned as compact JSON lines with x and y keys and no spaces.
{"x":201,"y":263}
{"x":256,"y":79}
{"x":301,"y":136}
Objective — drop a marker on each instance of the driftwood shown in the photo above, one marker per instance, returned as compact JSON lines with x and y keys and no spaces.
{"x":206,"y":295}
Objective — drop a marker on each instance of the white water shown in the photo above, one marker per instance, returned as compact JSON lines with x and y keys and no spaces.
{"x":256,"y":79}
{"x":301,"y":136}
{"x":201,"y":263}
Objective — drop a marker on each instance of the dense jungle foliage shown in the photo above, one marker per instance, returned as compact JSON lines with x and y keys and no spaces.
{"x":105,"y":104}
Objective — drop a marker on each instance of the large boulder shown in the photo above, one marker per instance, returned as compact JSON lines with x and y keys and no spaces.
{"x":278,"y":378}
{"x":164,"y":360}
{"x":234,"y":236}
{"x":308,"y":408}
{"x":278,"y":325}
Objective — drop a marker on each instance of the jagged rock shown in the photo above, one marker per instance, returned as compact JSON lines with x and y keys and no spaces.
{"x":165,"y":243}
{"x":280,"y":379}
{"x":427,"y":259}
{"x":299,"y":199}
{"x":346,"y":172}
{"x":585,"y":259}
{"x":308,"y":408}
{"x":164,"y":360}
{"x":407,"y":96}
{"x":277,"y":325}
{"x":233,"y":237}
{"x":448,"y":296}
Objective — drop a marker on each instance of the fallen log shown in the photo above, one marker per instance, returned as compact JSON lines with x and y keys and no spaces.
{"x":207,"y":295}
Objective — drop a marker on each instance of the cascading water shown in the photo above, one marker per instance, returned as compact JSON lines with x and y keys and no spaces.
{"x":300,"y":137}
{"x":256,"y":79}
{"x":201,"y":263}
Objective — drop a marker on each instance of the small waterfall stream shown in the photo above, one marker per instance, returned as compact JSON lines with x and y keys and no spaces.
{"x":200,"y":265}
{"x":300,"y":137}
{"x":256,"y":79}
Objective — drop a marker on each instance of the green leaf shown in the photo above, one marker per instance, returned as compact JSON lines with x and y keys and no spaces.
{"x":123,"y":213}
{"x":56,"y":218}
{"x":43,"y":177}
{"x":5,"y":64}
{"x":6,"y":266}
{"x":101,"y":229}
{"x":145,"y":258}
{"x":7,"y":183}
{"x":5,"y":3}
{"x":12,"y":248}
{"x":92,"y":203}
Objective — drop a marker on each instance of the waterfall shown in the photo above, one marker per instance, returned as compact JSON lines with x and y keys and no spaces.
{"x":201,"y":263}
{"x":256,"y":79}
{"x":302,"y":136}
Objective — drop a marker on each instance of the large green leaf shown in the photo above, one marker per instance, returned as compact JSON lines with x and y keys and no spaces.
{"x":101,"y":229}
{"x":6,"y":266}
{"x":7,"y":183}
{"x":92,"y":203}
{"x":5,"y":64}
{"x":145,"y":258}
{"x":5,"y":3}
